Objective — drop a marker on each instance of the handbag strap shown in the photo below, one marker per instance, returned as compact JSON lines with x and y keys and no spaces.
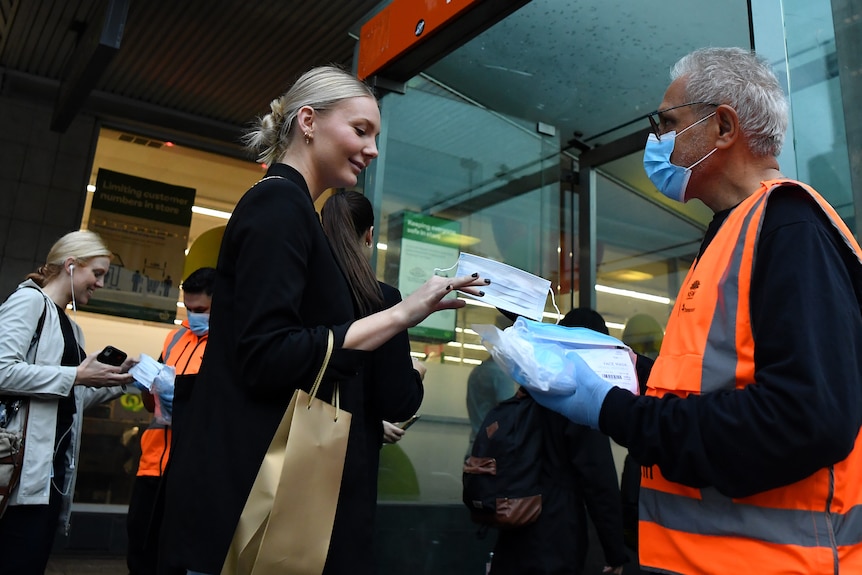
{"x":14,"y":403}
{"x":330,"y":340}
{"x":38,"y":333}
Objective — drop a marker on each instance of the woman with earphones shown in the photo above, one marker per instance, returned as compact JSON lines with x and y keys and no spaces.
{"x":42,"y":359}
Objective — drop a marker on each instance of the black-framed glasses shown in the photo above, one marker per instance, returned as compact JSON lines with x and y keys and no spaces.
{"x":654,"y":119}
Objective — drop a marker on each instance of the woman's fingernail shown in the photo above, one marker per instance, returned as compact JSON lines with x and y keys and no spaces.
{"x":475,"y":275}
{"x":481,"y":293}
{"x":487,"y":281}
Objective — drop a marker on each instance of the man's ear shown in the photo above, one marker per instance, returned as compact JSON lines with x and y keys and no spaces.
{"x":728,"y":126}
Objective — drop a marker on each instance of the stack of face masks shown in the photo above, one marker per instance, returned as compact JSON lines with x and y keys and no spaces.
{"x":158,"y":379}
{"x":537,"y":355}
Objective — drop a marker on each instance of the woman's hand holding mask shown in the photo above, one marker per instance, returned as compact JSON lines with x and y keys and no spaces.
{"x":431,"y":296}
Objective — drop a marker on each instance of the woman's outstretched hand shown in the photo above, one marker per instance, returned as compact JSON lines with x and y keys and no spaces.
{"x":431,"y":296}
{"x":370,"y":332}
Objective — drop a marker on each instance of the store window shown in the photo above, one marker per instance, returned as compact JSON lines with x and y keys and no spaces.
{"x":487,"y":184}
{"x":150,"y":260}
{"x":588,"y":71}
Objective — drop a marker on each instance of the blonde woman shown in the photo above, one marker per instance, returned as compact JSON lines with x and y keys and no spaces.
{"x":279,"y":291}
{"x":50,"y":369}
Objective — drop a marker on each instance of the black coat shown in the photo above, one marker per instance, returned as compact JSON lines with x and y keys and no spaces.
{"x":277,"y":292}
{"x":578,"y":470}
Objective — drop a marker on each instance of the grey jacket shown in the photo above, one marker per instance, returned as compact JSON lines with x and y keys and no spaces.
{"x":36,"y":373}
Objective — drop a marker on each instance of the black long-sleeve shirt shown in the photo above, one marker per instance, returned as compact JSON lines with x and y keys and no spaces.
{"x":804,"y":410}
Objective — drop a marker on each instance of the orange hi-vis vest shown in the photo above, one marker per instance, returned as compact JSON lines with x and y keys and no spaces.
{"x":184,"y":350}
{"x":811,"y":526}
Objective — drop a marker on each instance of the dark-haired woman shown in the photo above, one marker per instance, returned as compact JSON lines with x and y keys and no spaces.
{"x":396,"y":377}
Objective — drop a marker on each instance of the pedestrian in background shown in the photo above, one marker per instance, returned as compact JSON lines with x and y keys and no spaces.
{"x":42,"y":360}
{"x":395,"y":376}
{"x":184,"y":350}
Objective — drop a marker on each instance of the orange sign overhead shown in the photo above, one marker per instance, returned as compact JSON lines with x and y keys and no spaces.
{"x":400,"y":27}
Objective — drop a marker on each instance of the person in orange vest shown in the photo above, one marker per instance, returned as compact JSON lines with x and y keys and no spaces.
{"x":749,"y":432}
{"x":183,"y":349}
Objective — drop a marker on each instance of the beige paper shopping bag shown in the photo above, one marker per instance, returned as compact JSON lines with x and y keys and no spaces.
{"x":286,"y":523}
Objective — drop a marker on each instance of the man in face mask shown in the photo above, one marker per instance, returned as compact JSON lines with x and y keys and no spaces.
{"x":749,"y":432}
{"x":183,"y":349}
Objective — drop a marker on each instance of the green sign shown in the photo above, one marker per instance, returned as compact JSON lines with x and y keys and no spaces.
{"x":429,"y":243}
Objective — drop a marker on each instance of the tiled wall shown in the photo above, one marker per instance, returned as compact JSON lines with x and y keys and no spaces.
{"x":43,"y":179}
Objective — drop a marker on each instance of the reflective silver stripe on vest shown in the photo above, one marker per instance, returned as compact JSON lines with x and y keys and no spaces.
{"x":718,"y":370}
{"x":719,"y":515}
{"x":177,"y":337}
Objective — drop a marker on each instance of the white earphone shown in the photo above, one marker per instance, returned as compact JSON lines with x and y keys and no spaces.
{"x":72,"y":286}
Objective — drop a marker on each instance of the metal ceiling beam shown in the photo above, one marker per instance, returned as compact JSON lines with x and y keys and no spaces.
{"x":133,"y":115}
{"x":407,"y":36}
{"x":97,"y":47}
{"x":8,"y":9}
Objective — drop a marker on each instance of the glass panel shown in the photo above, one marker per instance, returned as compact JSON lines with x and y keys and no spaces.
{"x":594,"y":69}
{"x":590,"y":65}
{"x":816,"y":103}
{"x":644,"y":247}
{"x":497,"y":181}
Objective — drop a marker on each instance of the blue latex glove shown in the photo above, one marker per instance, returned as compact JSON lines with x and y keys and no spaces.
{"x":163,"y":389}
{"x":585,"y":403}
{"x":166,"y":403}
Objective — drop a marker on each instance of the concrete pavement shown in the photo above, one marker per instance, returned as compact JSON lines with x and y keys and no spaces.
{"x":83,"y":565}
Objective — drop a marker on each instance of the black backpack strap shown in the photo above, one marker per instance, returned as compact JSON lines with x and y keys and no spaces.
{"x":13,"y":404}
{"x":38,"y":333}
{"x":34,"y":341}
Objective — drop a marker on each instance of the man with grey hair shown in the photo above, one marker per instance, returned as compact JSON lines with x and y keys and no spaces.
{"x":749,"y":432}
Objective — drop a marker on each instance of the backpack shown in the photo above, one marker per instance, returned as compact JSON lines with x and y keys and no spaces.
{"x":502,"y":476}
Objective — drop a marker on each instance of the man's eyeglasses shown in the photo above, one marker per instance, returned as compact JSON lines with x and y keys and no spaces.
{"x":654,"y":119}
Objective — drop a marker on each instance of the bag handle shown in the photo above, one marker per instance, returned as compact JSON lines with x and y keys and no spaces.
{"x":336,"y":396}
{"x":330,"y":340}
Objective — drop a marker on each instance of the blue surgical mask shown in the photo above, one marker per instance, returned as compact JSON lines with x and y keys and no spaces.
{"x":670,"y":179}
{"x":199,"y":323}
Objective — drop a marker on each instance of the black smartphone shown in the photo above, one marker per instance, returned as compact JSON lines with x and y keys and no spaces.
{"x":406,"y":424}
{"x":112,"y":356}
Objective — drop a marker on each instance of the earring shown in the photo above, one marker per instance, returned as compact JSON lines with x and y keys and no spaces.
{"x":307,"y":138}
{"x":367,"y":244}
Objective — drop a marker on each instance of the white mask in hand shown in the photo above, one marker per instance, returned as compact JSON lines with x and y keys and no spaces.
{"x":511,"y":289}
